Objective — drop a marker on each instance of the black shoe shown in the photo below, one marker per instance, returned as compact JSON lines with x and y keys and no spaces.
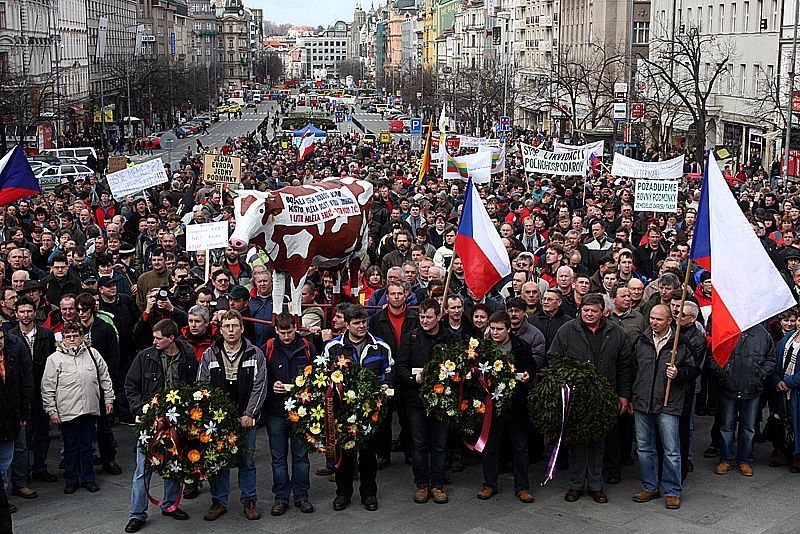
{"x":112,"y":468}
{"x":45,"y":476}
{"x":341,"y":502}
{"x":279,"y":508}
{"x":70,"y":489}
{"x":700,"y":410}
{"x":61,"y":464}
{"x":134,"y":525}
{"x":177,"y":513}
{"x":191,"y":491}
{"x":627,"y":460}
{"x":458,"y":463}
{"x":370,"y":503}
{"x":127,"y":420}
{"x":711,"y":452}
{"x":614,"y":478}
{"x":96,"y":461}
{"x":12,"y":509}
{"x":91,"y":487}
{"x":397,"y":446}
{"x":305,"y":506}
{"x":383,"y":463}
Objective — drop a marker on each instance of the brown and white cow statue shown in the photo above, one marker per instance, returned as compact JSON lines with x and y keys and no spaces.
{"x":324,"y":224}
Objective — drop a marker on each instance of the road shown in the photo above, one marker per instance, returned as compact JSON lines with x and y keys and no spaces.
{"x":766,"y":502}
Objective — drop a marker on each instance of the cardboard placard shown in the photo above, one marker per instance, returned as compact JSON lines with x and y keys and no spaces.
{"x":116,"y":163}
{"x":206,"y":236}
{"x":222,"y":169}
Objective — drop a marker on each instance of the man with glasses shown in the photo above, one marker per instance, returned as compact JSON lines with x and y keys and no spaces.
{"x":158,"y":276}
{"x":238,"y":367}
{"x":102,"y":338}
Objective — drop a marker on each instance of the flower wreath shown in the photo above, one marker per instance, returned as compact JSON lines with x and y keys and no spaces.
{"x":466,"y":384}
{"x":189,"y":433}
{"x":335,"y":405}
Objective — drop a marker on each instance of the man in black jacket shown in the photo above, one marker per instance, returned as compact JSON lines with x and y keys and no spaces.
{"x":287,"y":354}
{"x":514,"y":420}
{"x":15,"y":399}
{"x":103,"y":338}
{"x":597,"y":340}
{"x":168,"y":363}
{"x":428,"y":435}
{"x":551,"y":317}
{"x":40,"y":343}
{"x":393,"y":324}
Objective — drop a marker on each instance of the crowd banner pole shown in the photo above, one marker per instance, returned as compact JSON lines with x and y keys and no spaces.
{"x":678,"y":327}
{"x":207,"y":267}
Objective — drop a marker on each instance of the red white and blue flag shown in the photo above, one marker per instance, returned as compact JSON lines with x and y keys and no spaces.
{"x":479,"y":246}
{"x":594,"y":161}
{"x":747,"y":288}
{"x":306,"y":145}
{"x":16,"y":177}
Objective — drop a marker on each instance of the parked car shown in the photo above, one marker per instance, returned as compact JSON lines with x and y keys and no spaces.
{"x":80,"y":153}
{"x":49,"y":159}
{"x":70,"y":171}
{"x":396,"y":126}
{"x":37,"y":164}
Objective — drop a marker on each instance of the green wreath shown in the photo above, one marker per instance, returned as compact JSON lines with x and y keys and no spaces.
{"x":593,"y":406}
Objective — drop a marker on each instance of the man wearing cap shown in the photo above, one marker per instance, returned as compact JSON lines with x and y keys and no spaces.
{"x":34,"y":290}
{"x":238,"y":300}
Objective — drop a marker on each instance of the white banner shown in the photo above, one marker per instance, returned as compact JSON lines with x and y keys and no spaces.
{"x":561,"y":164}
{"x":137,"y":178}
{"x":206,"y":236}
{"x":658,"y":170}
{"x":656,"y":195}
{"x":317,"y":207}
{"x":477,"y":166}
{"x":498,"y":158}
{"x":591,"y":148}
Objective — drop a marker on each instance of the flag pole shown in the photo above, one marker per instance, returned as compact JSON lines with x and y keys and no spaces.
{"x":678,"y":327}
{"x":453,"y":257}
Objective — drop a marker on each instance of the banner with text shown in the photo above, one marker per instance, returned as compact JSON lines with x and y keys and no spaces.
{"x":561,"y":164}
{"x":477,"y":166}
{"x":222,"y":169}
{"x":137,"y":178}
{"x":318,"y":207}
{"x":206,"y":236}
{"x":672,"y":169}
{"x":591,"y":148}
{"x":656,"y":195}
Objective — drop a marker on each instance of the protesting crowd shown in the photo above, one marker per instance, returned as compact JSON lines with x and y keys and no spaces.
{"x":102,"y":308}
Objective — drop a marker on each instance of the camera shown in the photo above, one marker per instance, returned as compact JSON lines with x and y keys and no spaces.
{"x":162,"y":294}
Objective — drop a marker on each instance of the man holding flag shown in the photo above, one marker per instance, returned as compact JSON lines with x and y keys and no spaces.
{"x":306,"y":145}
{"x":744,"y":295}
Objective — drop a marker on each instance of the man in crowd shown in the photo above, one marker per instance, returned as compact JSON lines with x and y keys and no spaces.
{"x":157,"y":277}
{"x":235,"y":365}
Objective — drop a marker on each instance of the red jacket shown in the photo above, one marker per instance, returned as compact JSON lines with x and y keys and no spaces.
{"x":199,"y":344}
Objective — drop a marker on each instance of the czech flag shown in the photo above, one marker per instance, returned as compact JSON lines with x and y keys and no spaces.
{"x":747,"y":288}
{"x":594,"y":161}
{"x":478,"y":244}
{"x":306,"y":145}
{"x":16,"y":177}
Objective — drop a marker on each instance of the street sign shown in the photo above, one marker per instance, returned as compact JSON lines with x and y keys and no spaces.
{"x":386,"y":138}
{"x":168,"y":141}
{"x":637,"y":110}
{"x":340,"y":116}
{"x":620,"y":111}
{"x":620,"y":92}
{"x":505,"y":123}
{"x":416,"y":143}
{"x":503,"y":137}
{"x":416,"y":126}
{"x":172,"y":43}
{"x":447,"y":70}
{"x":148,"y":38}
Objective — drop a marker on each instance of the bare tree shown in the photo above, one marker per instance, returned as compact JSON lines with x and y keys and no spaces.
{"x":691,"y":64}
{"x":25,"y":101}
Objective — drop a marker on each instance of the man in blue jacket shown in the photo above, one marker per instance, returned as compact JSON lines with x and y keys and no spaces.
{"x":287,"y":354}
{"x":373,"y":353}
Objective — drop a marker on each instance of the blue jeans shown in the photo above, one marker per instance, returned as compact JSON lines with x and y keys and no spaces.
{"x":6,"y":456}
{"x":221,"y":484}
{"x":280,"y":436}
{"x":731,"y":411}
{"x":428,"y":448}
{"x":649,"y":426}
{"x":141,"y":480}
{"x":78,"y":451}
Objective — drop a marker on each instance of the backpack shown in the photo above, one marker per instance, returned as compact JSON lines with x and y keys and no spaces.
{"x":270,"y":349}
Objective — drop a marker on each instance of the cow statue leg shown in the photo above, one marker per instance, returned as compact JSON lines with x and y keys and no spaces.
{"x":354,"y":266}
{"x":278,"y":292}
{"x":296,"y":287}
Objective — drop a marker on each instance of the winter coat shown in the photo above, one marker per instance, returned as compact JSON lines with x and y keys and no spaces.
{"x":549,"y":325}
{"x":381,"y":327}
{"x":793,"y":382}
{"x":650,"y":378}
{"x":57,"y":288}
{"x":750,"y":362}
{"x":284,"y":363}
{"x":251,"y":380}
{"x":416,"y":350}
{"x":261,"y":308}
{"x":44,"y":344}
{"x":376,"y":355}
{"x":146,"y":374}
{"x":102,"y":338}
{"x":614,"y":361}
{"x":199,"y":343}
{"x":70,"y":386}
{"x":14,"y":396}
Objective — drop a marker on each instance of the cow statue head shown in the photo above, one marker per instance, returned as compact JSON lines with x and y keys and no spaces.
{"x":252,"y":210}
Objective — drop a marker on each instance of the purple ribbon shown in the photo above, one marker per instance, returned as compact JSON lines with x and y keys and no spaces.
{"x":551,"y":464}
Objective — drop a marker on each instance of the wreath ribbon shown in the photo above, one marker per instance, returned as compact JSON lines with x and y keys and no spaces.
{"x":552,"y":463}
{"x":164,"y":429}
{"x":483,"y":438}
{"x":333,"y":451}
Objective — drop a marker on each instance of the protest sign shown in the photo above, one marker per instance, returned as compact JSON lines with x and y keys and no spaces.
{"x":656,"y":195}
{"x":206,"y":236}
{"x":137,"y":178}
{"x":671,"y":169}
{"x":477,"y":166}
{"x":116,"y":164}
{"x":591,"y":148}
{"x":317,"y":207}
{"x":222,"y":169}
{"x":561,"y":164}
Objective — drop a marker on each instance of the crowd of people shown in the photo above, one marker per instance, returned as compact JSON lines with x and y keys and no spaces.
{"x":101,"y":307}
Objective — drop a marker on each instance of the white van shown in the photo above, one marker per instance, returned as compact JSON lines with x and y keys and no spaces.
{"x":80,"y":153}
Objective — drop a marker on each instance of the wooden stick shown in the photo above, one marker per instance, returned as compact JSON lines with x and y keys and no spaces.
{"x":678,"y":328}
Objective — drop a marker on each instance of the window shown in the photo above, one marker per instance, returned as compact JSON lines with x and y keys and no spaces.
{"x":743,"y":79}
{"x":722,"y":18}
{"x":3,"y":18}
{"x":688,"y":16}
{"x":756,"y":79}
{"x":746,"y":21}
{"x":3,"y":60}
{"x":770,"y":74}
{"x":641,"y":32}
{"x":733,"y":17}
{"x":700,"y":17}
{"x":774,"y":15}
{"x":710,"y":19}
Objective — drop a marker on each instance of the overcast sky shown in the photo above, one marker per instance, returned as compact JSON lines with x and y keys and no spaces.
{"x":308,"y":12}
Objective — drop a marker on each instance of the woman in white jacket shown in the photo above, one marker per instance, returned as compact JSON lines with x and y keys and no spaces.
{"x":75,"y":387}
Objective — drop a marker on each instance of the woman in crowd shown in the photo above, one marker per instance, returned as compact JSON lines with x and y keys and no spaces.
{"x":75,"y":387}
